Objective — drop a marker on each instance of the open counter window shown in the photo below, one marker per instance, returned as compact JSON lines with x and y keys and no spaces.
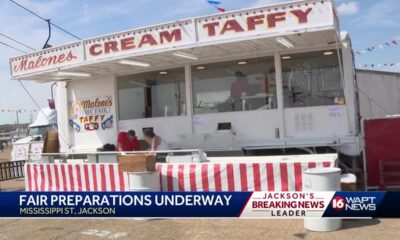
{"x":312,"y":79}
{"x":243,"y":85}
{"x":152,"y":94}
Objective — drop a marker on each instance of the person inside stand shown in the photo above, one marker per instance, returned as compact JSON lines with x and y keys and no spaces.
{"x":156,"y":142}
{"x":238,"y":89}
{"x":127,"y":142}
{"x":51,"y":142}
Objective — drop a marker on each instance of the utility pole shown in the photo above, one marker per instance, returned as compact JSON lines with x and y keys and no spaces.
{"x":17,"y":124}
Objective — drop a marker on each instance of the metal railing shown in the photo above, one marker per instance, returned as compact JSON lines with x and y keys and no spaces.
{"x":107,"y":157}
{"x":11,"y":170}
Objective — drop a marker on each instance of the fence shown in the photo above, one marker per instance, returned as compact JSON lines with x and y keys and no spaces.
{"x":11,"y":170}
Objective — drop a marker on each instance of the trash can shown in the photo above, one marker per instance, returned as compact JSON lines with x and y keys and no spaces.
{"x":321,"y":180}
{"x":141,"y":170}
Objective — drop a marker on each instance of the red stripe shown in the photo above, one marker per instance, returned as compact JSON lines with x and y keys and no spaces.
{"x":112,"y":177}
{"x":204,"y":177}
{"x":159,"y":170}
{"x":64,"y":177}
{"x":121,"y":180}
{"x":298,"y":177}
{"x":158,"y":167}
{"x":87,"y":182}
{"x":78,"y":177}
{"x":243,"y":177}
{"x":50,"y":180}
{"x":71,"y":177}
{"x":94,"y":177}
{"x":42,"y":177}
{"x":56,"y":176}
{"x":284,"y":176}
{"x":326,"y":164}
{"x":35,"y":177}
{"x":257,"y":177}
{"x":29,"y":174}
{"x":217,"y":177}
{"x":103,"y":178}
{"x":181,"y":178}
{"x":270,"y":177}
{"x":231,"y":178}
{"x":312,"y":165}
{"x":192,"y":177}
{"x":170,"y":184}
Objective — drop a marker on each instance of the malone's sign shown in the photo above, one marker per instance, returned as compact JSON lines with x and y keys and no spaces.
{"x":47,"y":59}
{"x":140,"y":40}
{"x":266,"y":21}
{"x":263,"y":22}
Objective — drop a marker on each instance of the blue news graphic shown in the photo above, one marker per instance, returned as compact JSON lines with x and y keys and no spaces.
{"x":200,"y":204}
{"x":123,"y":204}
{"x":364,"y":204}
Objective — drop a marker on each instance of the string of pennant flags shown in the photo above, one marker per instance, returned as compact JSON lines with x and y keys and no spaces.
{"x":21,"y":110}
{"x":216,"y":4}
{"x":382,"y":46}
{"x":379,"y":65}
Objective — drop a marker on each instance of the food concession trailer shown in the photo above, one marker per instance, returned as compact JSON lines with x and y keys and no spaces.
{"x":273,"y":77}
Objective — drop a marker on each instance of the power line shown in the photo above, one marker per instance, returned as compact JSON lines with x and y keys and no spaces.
{"x":12,"y":39}
{"x":53,"y":24}
{"x":7,"y":45}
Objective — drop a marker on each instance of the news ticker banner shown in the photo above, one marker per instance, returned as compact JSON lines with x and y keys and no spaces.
{"x":200,"y":204}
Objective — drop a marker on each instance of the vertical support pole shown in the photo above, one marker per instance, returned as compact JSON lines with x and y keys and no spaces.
{"x":18,"y":133}
{"x":62,"y":107}
{"x":189,"y":94}
{"x":279,"y":94}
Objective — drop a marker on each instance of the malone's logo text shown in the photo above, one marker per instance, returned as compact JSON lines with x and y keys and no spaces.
{"x":43,"y":61}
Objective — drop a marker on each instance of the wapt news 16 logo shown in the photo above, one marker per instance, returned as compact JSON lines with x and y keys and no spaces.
{"x":354,"y":204}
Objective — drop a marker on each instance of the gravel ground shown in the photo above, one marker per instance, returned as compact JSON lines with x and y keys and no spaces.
{"x":6,"y":154}
{"x":192,"y":229}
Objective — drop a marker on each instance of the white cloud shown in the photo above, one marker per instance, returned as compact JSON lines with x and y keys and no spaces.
{"x":348,"y":8}
{"x":378,"y":15}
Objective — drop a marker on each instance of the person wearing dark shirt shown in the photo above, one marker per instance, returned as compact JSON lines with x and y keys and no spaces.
{"x":127,"y":141}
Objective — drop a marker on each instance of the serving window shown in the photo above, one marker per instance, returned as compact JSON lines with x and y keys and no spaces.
{"x":152,"y":94}
{"x":312,"y":79}
{"x":243,"y":85}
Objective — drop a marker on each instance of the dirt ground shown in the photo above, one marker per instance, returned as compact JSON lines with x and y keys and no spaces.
{"x":5,"y":155}
{"x":192,"y":229}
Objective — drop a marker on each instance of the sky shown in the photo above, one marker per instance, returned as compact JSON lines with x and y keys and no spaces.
{"x":369,"y":23}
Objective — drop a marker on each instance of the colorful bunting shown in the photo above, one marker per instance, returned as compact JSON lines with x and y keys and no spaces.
{"x":9,"y":110}
{"x":378,"y":65}
{"x":394,"y":42}
{"x":215,"y":4}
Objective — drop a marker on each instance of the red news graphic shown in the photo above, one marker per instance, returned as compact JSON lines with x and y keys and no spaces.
{"x":287,"y":204}
{"x":338,"y":204}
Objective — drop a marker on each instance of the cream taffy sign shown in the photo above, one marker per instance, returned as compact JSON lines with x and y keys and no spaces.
{"x":93,"y":114}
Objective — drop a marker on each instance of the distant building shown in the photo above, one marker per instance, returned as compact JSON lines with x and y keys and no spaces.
{"x":379,"y":93}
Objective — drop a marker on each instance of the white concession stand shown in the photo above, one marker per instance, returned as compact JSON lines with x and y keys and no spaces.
{"x":274,"y":77}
